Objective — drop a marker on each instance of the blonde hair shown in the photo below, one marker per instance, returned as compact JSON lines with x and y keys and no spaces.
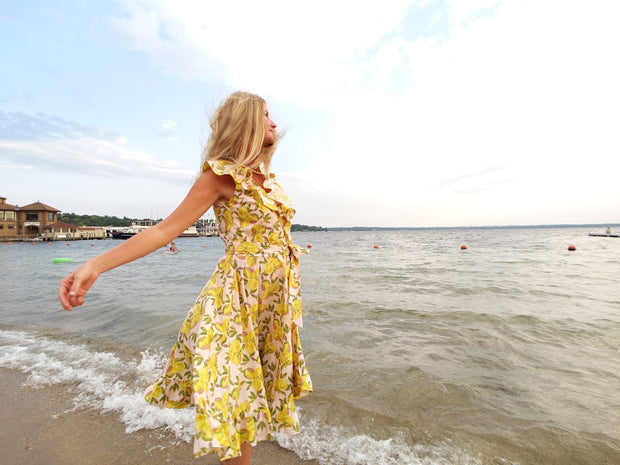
{"x":237,"y":133}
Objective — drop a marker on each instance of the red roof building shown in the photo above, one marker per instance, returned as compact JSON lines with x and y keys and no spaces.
{"x":26,"y":222}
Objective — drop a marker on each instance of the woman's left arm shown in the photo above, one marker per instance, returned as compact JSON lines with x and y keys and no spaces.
{"x":207,"y":189}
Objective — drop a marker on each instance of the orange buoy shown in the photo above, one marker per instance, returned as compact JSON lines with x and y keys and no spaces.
{"x":572,"y":247}
{"x":10,"y":243}
{"x":21,"y":243}
{"x":376,"y":246}
{"x":68,"y":243}
{"x":204,"y":245}
{"x":34,"y":243}
{"x":49,"y":243}
{"x":92,"y":244}
{"x":309,"y":246}
{"x":463,"y":247}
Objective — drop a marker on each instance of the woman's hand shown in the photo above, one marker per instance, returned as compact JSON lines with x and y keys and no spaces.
{"x":75,"y":286}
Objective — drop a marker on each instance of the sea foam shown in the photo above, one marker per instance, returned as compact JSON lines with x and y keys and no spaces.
{"x":98,"y":380}
{"x":102,"y":381}
{"x":338,"y":446}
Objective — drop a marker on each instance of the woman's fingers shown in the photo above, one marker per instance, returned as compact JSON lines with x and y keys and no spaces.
{"x":74,"y":287}
{"x":64,"y":292}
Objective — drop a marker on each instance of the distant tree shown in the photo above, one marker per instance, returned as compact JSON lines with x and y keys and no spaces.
{"x":305,"y":227}
{"x":94,"y":220}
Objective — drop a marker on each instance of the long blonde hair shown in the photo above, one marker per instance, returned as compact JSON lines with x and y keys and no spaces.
{"x":237,"y":133}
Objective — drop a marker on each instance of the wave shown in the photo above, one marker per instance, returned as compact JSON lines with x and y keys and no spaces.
{"x":338,"y":446}
{"x":98,"y":380}
{"x":104,"y":381}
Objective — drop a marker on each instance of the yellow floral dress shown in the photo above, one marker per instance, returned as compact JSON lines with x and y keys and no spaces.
{"x":238,"y":358}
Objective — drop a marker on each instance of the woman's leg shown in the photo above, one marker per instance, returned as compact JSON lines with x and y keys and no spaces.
{"x":244,"y":459}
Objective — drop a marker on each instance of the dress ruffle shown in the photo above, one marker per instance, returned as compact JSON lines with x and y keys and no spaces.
{"x":272,"y":196}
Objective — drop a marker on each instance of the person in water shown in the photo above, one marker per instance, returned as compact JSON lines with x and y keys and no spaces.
{"x":237,"y":359}
{"x":173,"y":247}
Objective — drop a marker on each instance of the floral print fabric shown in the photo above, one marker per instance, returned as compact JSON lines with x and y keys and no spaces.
{"x":238,"y":358}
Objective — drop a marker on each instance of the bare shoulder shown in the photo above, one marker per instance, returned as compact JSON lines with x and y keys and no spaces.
{"x":222,"y":185}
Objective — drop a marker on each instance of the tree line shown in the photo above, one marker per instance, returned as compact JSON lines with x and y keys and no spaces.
{"x":94,"y":220}
{"x":305,"y":227}
{"x":102,"y":221}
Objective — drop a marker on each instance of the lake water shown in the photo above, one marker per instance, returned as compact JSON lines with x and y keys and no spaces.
{"x":420,"y":352}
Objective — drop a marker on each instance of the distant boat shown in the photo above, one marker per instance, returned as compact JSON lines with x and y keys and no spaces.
{"x":135,"y":228}
{"x":132,"y":230}
{"x":604,"y":235}
{"x":190,"y":232}
{"x":125,"y":234}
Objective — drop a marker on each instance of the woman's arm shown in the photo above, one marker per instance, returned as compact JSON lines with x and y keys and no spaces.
{"x":207,"y":189}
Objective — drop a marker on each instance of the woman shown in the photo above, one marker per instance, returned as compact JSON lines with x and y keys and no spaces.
{"x":238,"y":358}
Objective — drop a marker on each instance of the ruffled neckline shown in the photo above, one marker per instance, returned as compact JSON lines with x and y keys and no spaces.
{"x":271,"y":193}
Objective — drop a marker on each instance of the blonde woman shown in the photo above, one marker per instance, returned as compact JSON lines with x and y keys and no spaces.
{"x":237,"y":359}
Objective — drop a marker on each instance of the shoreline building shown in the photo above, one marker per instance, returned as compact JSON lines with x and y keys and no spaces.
{"x":38,"y":221}
{"x":27,"y":222}
{"x":63,"y":231}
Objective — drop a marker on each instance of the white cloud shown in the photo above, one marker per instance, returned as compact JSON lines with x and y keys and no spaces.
{"x":530,"y":88}
{"x":299,"y":52}
{"x":168,"y":131}
{"x":461,"y":14}
{"x":56,"y":144}
{"x":169,"y":124}
{"x":93,"y":157}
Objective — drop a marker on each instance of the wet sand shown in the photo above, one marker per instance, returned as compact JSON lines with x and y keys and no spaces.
{"x":41,"y":427}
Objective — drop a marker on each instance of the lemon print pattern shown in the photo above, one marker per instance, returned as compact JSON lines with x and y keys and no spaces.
{"x":238,"y":359}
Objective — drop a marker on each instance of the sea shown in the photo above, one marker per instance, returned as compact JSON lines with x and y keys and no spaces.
{"x":421,"y":351}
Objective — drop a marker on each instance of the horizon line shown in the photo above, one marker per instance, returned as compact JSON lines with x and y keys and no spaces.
{"x":510,"y":226}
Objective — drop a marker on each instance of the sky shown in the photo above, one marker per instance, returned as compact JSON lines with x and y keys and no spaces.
{"x":400,"y":113}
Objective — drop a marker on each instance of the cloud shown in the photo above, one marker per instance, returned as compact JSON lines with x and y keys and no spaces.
{"x":488,"y":178}
{"x":169,"y":125}
{"x":299,"y":52}
{"x":52,"y":143}
{"x":19,"y":125}
{"x":462,"y":14}
{"x":168,"y":131}
{"x":522,"y":88}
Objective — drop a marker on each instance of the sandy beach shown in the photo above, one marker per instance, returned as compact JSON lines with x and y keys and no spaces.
{"x":41,"y":427}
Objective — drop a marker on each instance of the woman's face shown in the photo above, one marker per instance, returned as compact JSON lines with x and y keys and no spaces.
{"x":270,"y":128}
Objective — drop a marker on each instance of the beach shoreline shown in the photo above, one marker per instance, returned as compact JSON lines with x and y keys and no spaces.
{"x":41,"y":426}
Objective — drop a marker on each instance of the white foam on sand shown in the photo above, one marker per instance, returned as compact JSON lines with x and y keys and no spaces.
{"x":97,"y":380}
{"x":102,"y":381}
{"x":339,"y":446}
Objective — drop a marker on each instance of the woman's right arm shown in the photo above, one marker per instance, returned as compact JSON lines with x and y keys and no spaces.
{"x":207,"y":189}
